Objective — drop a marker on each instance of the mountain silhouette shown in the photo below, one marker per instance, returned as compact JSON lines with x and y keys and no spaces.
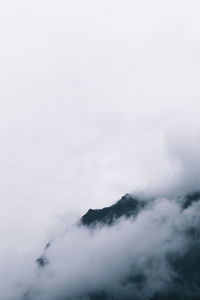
{"x":186,"y":267}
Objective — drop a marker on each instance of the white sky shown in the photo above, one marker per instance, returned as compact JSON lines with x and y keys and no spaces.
{"x":88,"y":91}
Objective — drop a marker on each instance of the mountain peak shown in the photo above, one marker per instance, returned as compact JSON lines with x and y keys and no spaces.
{"x":127,"y":206}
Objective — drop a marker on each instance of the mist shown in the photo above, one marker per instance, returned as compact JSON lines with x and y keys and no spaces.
{"x":97,"y":99}
{"x":82,"y":261}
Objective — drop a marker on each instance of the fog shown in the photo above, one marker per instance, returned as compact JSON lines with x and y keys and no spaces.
{"x":82,"y":261}
{"x":91,"y":94}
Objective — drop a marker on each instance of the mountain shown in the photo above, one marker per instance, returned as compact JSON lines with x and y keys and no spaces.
{"x":128,"y":206}
{"x":185,"y":266}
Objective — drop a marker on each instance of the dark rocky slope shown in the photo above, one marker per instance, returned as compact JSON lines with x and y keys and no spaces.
{"x":128,"y":206}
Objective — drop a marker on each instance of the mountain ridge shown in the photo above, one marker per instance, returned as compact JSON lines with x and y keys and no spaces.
{"x":186,"y":267}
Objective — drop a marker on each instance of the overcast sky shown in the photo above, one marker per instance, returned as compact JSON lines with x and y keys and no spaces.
{"x":89,"y":90}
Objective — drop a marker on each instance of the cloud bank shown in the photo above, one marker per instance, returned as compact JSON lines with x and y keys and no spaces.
{"x":131,"y":259}
{"x":141,"y":257}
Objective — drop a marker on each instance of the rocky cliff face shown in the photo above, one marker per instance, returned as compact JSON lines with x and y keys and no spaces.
{"x":127,"y":207}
